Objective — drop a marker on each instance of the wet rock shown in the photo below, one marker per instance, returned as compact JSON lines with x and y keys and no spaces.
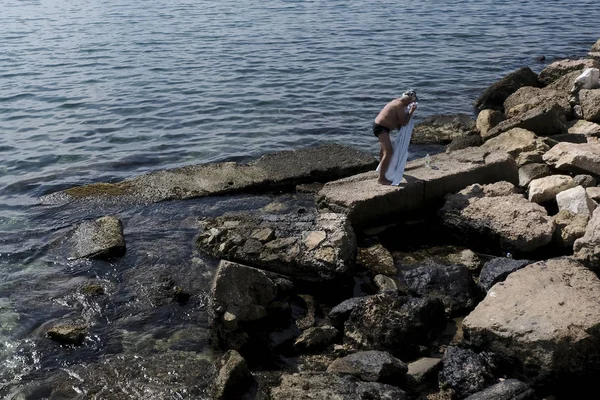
{"x":316,"y":338}
{"x":234,"y":379}
{"x":509,"y":389}
{"x":394,"y":323}
{"x":367,"y":203}
{"x":545,"y":189}
{"x":562,"y":67}
{"x":590,"y":104}
{"x":576,"y":200}
{"x":501,"y":221}
{"x":529,"y":172}
{"x":340,"y":313}
{"x":587,"y":248}
{"x":331,"y":386}
{"x":487,"y":119}
{"x":543,"y":121}
{"x":465,"y":371}
{"x":376,"y":259}
{"x":463,"y":142}
{"x":423,"y":371}
{"x":452,"y":284}
{"x":497,"y":269}
{"x":442,"y":129}
{"x":543,"y":319}
{"x":91,"y":289}
{"x":528,"y":98}
{"x":271,"y":171}
{"x":99,"y":239}
{"x":572,"y":157}
{"x":307,"y":247}
{"x":68,"y":333}
{"x":384,"y":283}
{"x":371,"y":366}
{"x":584,"y":180}
{"x":518,"y":143}
{"x":495,"y":95}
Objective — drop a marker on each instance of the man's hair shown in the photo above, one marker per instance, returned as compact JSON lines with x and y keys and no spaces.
{"x":410,"y":93}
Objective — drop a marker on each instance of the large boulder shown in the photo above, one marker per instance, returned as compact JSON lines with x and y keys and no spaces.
{"x":99,"y":239}
{"x":452,"y":284}
{"x":398,"y":324}
{"x":493,"y":97}
{"x":543,"y":121}
{"x":529,"y":172}
{"x":543,"y":319}
{"x":497,"y":217}
{"x":368,"y":203}
{"x":587,"y":248}
{"x":497,"y":269}
{"x":442,"y":129}
{"x":307,"y":386}
{"x":562,"y":67}
{"x":272,"y":171}
{"x":466,"y":372}
{"x":569,"y":227}
{"x":371,"y":366}
{"x":308,"y":246}
{"x":487,"y":119}
{"x":576,"y":200}
{"x":509,"y":389}
{"x":572,"y":157}
{"x":521,"y":144}
{"x":527,"y":98}
{"x":590,"y":104}
{"x":545,"y":189}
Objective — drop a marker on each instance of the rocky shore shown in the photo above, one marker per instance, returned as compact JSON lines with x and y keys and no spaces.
{"x":475,"y":279}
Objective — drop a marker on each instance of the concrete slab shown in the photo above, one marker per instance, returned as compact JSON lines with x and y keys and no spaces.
{"x":367,"y":203}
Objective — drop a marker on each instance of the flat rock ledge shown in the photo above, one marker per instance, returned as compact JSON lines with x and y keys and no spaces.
{"x":545,"y":318}
{"x":366,"y":202}
{"x":271,"y":171}
{"x":309,"y":247}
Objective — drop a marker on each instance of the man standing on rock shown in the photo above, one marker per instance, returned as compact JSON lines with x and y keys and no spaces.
{"x":395,"y":114}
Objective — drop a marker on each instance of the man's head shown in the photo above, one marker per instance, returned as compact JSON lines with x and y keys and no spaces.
{"x":410,"y":96}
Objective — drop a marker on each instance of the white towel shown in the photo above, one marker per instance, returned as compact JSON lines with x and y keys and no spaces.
{"x":400,"y":152}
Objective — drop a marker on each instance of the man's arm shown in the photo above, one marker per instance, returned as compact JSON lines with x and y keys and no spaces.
{"x":405,"y":117}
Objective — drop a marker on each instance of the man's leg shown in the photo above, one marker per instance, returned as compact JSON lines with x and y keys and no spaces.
{"x":386,"y":156}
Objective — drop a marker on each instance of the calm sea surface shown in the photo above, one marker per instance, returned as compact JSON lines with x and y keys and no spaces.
{"x":105,"y":90}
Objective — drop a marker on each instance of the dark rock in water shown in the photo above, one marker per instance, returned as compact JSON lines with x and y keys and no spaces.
{"x":68,"y":333}
{"x":394,"y":323}
{"x":497,"y":270}
{"x":509,"y":389}
{"x":372,"y":366}
{"x":307,"y":247}
{"x":234,"y":379}
{"x":452,"y":284}
{"x":493,"y":97}
{"x":465,"y":371}
{"x":442,"y":129}
{"x":340,"y":313}
{"x":272,"y":171}
{"x":330,"y":386}
{"x":99,"y":239}
{"x":316,"y":338}
{"x":91,"y":289}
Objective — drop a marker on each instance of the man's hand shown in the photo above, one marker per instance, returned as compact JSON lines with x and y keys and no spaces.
{"x":413,"y":108}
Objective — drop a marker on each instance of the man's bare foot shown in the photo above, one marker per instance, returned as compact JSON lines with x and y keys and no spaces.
{"x":383,"y":181}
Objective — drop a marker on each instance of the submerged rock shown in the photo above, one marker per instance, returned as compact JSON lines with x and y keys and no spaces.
{"x":500,"y":221}
{"x":68,"y":333}
{"x":307,"y":247}
{"x":544,"y":320}
{"x":99,"y":239}
{"x":330,"y":386}
{"x":394,"y":323}
{"x":371,"y":366}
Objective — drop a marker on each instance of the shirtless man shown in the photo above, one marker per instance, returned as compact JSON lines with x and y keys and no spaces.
{"x":393,"y":116}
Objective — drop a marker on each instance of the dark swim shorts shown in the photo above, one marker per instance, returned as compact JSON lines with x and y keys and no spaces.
{"x":379,"y":129}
